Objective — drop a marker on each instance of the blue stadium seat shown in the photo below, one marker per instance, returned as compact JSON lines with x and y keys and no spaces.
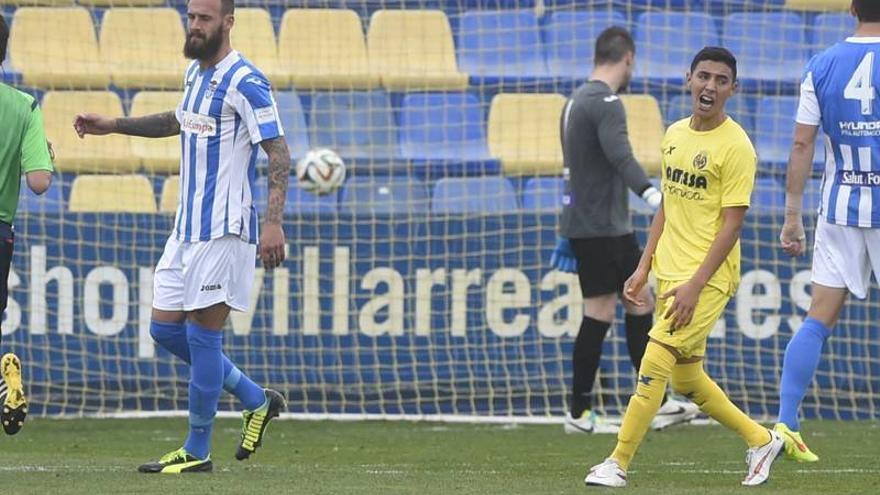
{"x":738,"y":106}
{"x":570,"y":39}
{"x":443,"y":126}
{"x":828,"y":29}
{"x":768,"y":196}
{"x":474,"y":195}
{"x":724,"y":7}
{"x":50,"y":202}
{"x":293,"y":119}
{"x":667,"y":41}
{"x":298,"y":200}
{"x":357,"y":124}
{"x":500,"y":44}
{"x":383,"y":195}
{"x":543,"y":194}
{"x":770,"y":48}
{"x":774,"y":128}
{"x":636,"y":5}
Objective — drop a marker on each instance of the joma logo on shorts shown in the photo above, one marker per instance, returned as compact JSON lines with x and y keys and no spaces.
{"x":208,"y":287}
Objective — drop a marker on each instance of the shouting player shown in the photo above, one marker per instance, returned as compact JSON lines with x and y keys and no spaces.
{"x":838,"y":93}
{"x":693,"y":247}
{"x":207,"y":268}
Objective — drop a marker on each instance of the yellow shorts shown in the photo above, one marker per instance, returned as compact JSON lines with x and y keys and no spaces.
{"x":689,"y":340}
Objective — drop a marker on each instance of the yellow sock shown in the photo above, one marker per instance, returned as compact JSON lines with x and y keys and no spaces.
{"x":654,"y":374}
{"x":692,"y":381}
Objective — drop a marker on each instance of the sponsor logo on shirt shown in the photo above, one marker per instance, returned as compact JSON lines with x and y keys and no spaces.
{"x":684,"y":184}
{"x":200,"y":125}
{"x":858,"y":178}
{"x":265,"y":115}
{"x":860,"y":128}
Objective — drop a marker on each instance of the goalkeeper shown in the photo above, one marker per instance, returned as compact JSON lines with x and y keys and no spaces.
{"x":596,"y":236}
{"x":693,"y":247}
{"x":23,"y":149}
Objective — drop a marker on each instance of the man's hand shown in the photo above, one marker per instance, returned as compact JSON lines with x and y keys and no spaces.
{"x":685,"y":298}
{"x":792,"y":237}
{"x":272,"y":245}
{"x":563,"y":258}
{"x":633,"y":286}
{"x":92,"y":123}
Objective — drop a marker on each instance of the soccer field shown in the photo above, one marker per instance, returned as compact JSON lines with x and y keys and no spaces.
{"x":101,"y":456}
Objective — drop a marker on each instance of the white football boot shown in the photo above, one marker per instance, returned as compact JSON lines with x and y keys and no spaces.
{"x":609,"y":474}
{"x":761,"y":458}
{"x":674,"y":412}
{"x":589,"y":422}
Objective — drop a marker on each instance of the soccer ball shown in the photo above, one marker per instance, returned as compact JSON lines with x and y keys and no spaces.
{"x":321,"y":171}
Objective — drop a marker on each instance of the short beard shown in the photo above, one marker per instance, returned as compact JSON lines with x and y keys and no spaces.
{"x":207,"y":50}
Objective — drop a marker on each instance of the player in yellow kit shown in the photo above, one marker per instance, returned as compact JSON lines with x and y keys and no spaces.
{"x":708,"y":173}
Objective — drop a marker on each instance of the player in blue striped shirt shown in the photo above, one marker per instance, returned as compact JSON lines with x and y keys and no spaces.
{"x":207,"y":268}
{"x":837,"y":93}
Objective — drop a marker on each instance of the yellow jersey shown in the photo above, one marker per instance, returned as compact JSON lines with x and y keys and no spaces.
{"x":702,"y":172}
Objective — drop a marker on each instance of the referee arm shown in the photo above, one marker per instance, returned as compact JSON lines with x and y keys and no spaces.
{"x":614,"y":140}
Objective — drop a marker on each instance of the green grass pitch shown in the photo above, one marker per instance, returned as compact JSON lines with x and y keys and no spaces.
{"x":57,"y":457}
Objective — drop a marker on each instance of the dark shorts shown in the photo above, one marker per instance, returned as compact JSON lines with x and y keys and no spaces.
{"x":7,"y":240}
{"x":604,"y":263}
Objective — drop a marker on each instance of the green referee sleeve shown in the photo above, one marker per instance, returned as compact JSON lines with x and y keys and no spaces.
{"x":34,"y":148}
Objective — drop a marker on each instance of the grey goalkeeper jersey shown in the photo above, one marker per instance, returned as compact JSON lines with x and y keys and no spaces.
{"x":599,"y":165}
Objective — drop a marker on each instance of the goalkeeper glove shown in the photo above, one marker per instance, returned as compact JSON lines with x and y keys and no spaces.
{"x":653,"y":197}
{"x":563,"y":258}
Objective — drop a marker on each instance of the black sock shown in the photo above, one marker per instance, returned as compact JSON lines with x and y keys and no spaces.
{"x":585,"y":362}
{"x":637,"y":328}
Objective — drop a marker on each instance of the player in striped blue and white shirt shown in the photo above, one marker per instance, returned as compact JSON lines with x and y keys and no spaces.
{"x":207,"y":268}
{"x":838,"y":93}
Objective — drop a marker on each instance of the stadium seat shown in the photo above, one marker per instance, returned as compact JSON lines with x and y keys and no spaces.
{"x":443,"y":126}
{"x":170,"y":194}
{"x":818,"y":5}
{"x":413,"y":50}
{"x":644,"y":124}
{"x":524,"y":133}
{"x":298,"y":201}
{"x":325,"y":49}
{"x":500,"y":44}
{"x":667,"y":41}
{"x":144,"y":58}
{"x":774,"y":129}
{"x":724,"y":7}
{"x":38,"y":3}
{"x":570,"y":38}
{"x":737,"y":107}
{"x":112,"y":193}
{"x":768,"y":196}
{"x":543,"y":194}
{"x":254,"y":38}
{"x":57,"y":48}
{"x":293,"y":119}
{"x":354,"y":124}
{"x":769,"y":46}
{"x":157,"y":155}
{"x":126,"y":3}
{"x":50,"y":202}
{"x":828,"y":29}
{"x":105,"y":154}
{"x":385,"y":195}
{"x":476,"y":195}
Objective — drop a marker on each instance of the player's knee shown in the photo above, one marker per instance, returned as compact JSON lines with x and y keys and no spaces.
{"x":601,"y":308}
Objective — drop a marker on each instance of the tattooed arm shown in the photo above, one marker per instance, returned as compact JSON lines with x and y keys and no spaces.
{"x":153,"y":126}
{"x":272,"y":236}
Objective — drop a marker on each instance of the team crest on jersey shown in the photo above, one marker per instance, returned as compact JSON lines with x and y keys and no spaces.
{"x":212,"y":87}
{"x":701,"y":160}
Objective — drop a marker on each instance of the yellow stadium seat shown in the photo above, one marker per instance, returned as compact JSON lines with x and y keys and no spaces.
{"x":325,"y":49}
{"x":143,"y":48}
{"x":35,"y":3}
{"x":818,"y":5}
{"x":57,"y":48}
{"x":413,"y":50}
{"x":158,"y":155}
{"x":644,"y":123}
{"x":108,"y":154}
{"x":122,"y":3}
{"x":112,"y":194}
{"x":524,"y":133}
{"x":254,"y":37}
{"x":170,"y":193}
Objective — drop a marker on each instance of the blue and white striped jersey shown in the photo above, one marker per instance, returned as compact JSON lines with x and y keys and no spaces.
{"x":226,"y":111}
{"x":838,"y":92}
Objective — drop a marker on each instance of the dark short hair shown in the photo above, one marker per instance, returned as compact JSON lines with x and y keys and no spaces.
{"x":715,"y":54}
{"x":867,"y":10}
{"x":612,"y":45}
{"x":4,"y":38}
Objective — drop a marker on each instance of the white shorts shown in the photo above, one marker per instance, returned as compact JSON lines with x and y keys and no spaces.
{"x":196,"y":275}
{"x":844,"y":257}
